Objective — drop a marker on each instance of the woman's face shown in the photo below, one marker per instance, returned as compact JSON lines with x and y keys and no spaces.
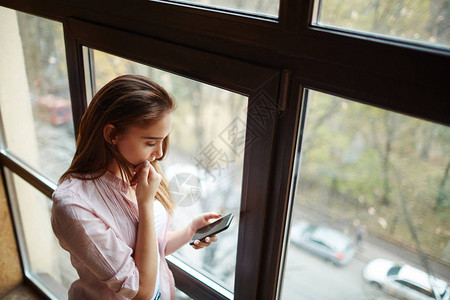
{"x":145,"y":143}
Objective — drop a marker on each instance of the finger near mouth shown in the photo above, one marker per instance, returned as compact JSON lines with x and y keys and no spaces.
{"x":137,"y":165}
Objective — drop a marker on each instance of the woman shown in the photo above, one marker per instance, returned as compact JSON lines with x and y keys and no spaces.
{"x":112,"y":208}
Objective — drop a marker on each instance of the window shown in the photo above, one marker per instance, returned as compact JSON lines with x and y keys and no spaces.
{"x":227,"y":137}
{"x":376,"y":183}
{"x":335,"y":77}
{"x":44,"y":260}
{"x":35,"y":103}
{"x":38,"y":134}
{"x":415,"y":20}
{"x":221,"y":125}
{"x":205,"y":161}
{"x":415,"y":288}
{"x":394,"y":271}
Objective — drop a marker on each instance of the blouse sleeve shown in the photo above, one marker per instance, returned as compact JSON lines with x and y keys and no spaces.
{"x":96,"y":246}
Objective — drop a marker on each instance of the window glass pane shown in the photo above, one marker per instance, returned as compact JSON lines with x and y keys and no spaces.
{"x":205,"y":160}
{"x":34,"y":94}
{"x":418,"y":20}
{"x":260,"y":7}
{"x":47,"y":261}
{"x":179,"y":295}
{"x":374,"y":187}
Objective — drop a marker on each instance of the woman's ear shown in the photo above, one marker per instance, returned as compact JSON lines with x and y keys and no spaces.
{"x":109,"y":134}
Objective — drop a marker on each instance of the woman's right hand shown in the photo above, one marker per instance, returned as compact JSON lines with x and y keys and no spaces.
{"x":147,"y":181}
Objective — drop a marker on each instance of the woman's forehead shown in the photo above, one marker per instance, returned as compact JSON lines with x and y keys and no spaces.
{"x":158,"y":129}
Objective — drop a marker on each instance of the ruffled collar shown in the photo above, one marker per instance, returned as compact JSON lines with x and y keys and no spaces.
{"x":115,"y":182}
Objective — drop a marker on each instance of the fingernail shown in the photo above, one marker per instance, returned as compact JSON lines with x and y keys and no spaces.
{"x":207,"y":240}
{"x":196,"y":242}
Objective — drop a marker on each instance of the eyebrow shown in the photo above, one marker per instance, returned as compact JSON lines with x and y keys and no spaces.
{"x":153,"y":137}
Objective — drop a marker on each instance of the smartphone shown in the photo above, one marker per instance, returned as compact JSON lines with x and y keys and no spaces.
{"x":211,"y":229}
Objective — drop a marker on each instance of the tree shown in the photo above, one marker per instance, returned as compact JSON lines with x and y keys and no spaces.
{"x":44,"y":53}
{"x":442,"y":194}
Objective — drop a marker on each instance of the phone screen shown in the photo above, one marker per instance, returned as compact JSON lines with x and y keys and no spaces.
{"x":213,"y":228}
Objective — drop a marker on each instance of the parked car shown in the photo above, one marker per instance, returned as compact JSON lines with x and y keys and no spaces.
{"x":54,"y":109}
{"x":404,"y":281}
{"x":323,"y":241}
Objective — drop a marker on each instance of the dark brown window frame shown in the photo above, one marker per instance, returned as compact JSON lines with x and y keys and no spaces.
{"x":399,"y":76}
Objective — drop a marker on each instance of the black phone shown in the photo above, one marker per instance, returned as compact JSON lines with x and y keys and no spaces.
{"x":211,"y":229}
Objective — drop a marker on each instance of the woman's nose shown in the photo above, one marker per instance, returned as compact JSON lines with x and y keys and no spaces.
{"x":158,"y":152}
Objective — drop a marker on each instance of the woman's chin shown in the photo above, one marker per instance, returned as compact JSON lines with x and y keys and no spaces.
{"x":134,"y":165}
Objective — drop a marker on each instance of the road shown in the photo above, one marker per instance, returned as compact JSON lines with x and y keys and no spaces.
{"x":308,"y":277}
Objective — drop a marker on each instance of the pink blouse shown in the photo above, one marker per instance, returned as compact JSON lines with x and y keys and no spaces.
{"x":97,"y":223}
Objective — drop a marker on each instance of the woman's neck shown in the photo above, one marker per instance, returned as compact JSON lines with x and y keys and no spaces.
{"x":114,"y":168}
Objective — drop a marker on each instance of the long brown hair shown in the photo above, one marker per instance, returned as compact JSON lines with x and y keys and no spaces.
{"x":128,"y":100}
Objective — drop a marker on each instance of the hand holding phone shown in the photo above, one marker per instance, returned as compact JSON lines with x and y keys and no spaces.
{"x":211,"y":229}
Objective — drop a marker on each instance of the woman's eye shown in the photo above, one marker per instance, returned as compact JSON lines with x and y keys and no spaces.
{"x":151,"y":145}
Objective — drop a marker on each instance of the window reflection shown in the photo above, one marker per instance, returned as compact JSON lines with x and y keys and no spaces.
{"x":371,"y":205}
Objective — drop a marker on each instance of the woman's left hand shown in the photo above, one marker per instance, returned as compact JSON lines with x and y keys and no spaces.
{"x":200,"y":221}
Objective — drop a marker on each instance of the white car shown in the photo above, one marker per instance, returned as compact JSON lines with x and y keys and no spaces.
{"x":323,"y":241}
{"x":404,"y":281}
